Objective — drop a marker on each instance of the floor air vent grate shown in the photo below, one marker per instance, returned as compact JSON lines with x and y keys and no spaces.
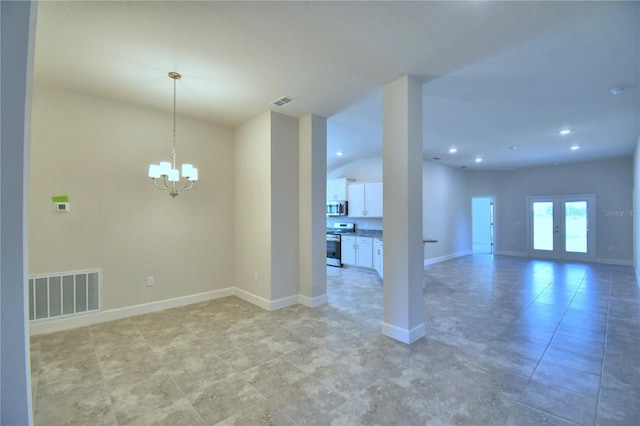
{"x":64,"y":294}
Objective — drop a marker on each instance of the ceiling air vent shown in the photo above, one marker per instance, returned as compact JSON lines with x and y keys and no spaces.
{"x":283,"y":101}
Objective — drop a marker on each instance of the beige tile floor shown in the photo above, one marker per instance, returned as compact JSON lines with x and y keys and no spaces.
{"x":509,"y":341}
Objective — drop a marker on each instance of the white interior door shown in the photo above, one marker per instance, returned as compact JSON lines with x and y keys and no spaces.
{"x":562,"y":227}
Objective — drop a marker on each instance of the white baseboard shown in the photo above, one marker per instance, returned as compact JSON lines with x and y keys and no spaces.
{"x":67,"y":323}
{"x":402,"y":334}
{"x":283,"y":302}
{"x":60,"y":324}
{"x":512,"y":253}
{"x":439,"y":259}
{"x":252,"y":298}
{"x":313,"y":302}
{"x":620,"y":262}
{"x":266,"y":304}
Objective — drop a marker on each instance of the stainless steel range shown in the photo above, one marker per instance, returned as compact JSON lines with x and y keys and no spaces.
{"x":334,"y":240}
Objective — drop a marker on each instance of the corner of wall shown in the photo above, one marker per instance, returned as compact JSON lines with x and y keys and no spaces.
{"x":636,"y":209}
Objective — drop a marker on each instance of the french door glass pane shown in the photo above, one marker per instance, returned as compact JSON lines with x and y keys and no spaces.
{"x":543,"y":225}
{"x":575,"y":218}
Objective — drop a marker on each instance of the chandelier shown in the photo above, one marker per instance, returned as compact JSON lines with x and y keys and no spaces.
{"x":167,"y":170}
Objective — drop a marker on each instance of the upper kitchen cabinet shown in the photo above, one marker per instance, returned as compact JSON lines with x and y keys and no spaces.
{"x":337,"y":189}
{"x":365,"y":199}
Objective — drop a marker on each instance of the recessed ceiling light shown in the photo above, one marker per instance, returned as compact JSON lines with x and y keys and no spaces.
{"x":453,"y":150}
{"x":436,"y":158}
{"x":575,"y":147}
{"x":463,"y":167}
{"x":564,"y":132}
{"x":618,"y":90}
{"x":514,"y":147}
{"x":339,"y":153}
{"x":478,"y":160}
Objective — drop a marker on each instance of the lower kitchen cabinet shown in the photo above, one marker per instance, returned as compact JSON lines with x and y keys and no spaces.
{"x":357,"y":251}
{"x":364,"y":252}
{"x":348,"y":250}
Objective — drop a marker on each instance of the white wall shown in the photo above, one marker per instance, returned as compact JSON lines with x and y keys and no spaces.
{"x":253,"y":206}
{"x":97,"y":152}
{"x":284,"y":206}
{"x":446,"y":211}
{"x":266,"y":186}
{"x":366,"y":169}
{"x":611,"y":181}
{"x":312,"y":272}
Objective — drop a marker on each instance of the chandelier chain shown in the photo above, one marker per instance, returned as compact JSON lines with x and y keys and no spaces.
{"x":174,"y":123}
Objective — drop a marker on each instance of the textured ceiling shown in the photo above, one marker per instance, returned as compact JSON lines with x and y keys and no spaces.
{"x":496,"y":74}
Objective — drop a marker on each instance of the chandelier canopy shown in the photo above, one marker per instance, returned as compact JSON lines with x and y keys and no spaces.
{"x":167,"y":170}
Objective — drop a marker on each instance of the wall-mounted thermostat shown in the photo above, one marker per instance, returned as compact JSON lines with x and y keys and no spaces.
{"x":62,"y":207}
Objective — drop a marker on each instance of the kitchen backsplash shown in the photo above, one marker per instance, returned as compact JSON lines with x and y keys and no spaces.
{"x":361,"y":224}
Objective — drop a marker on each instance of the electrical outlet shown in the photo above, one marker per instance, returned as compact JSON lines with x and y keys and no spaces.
{"x":149,"y":281}
{"x":255,"y":276}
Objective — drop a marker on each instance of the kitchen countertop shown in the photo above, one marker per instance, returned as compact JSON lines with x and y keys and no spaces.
{"x":376,"y":233}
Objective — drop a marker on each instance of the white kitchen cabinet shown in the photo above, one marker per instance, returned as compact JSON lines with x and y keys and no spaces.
{"x":357,"y":251}
{"x":355,"y":192}
{"x":348,"y":250}
{"x":337,"y":189}
{"x":378,"y":256}
{"x":365,"y":199}
{"x":364,"y":252}
{"x":373,"y":199}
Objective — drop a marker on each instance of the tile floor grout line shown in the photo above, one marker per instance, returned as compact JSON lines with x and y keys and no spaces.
{"x":547,"y":347}
{"x":604,"y":353}
{"x":104,"y":382}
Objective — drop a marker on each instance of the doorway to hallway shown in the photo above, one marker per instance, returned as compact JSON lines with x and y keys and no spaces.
{"x":482,"y":225}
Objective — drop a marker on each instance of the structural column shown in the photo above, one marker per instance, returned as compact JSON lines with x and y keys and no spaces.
{"x":312,"y":221}
{"x":18,"y":36}
{"x":402,"y":169}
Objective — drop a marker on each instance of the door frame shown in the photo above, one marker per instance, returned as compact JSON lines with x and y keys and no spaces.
{"x":559,"y":251}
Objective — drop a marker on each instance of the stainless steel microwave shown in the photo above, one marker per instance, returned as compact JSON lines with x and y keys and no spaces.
{"x":337,"y":208}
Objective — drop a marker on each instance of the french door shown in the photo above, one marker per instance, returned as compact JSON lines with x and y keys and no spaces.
{"x":562,"y":227}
